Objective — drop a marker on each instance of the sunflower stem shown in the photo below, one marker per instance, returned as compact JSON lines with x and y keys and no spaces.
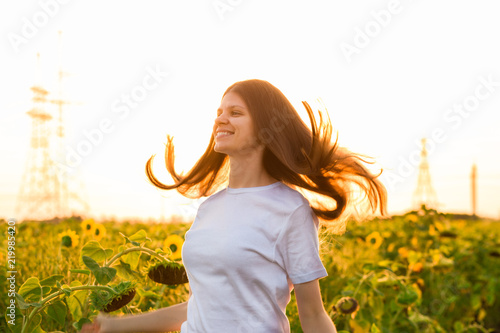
{"x":132,"y":249}
{"x":363,"y":279}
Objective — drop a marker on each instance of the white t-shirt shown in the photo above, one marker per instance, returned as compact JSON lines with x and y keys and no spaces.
{"x":243,"y":253}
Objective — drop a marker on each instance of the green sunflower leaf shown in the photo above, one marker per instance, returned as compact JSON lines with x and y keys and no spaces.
{"x":131,"y":258}
{"x":51,"y":280}
{"x":127,"y":240}
{"x":95,"y":251}
{"x":57,"y":311}
{"x":103,"y":275}
{"x":90,"y":263}
{"x":22,"y":304}
{"x":31,"y":291}
{"x":140,"y":237}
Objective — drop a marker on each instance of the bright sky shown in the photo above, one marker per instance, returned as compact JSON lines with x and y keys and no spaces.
{"x":389,"y":73}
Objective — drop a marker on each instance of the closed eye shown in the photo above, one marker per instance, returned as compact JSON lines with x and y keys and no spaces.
{"x":233,"y":113}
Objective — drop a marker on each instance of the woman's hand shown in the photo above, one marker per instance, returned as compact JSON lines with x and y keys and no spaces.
{"x":91,"y":328}
{"x":162,"y":320}
{"x":97,"y":326}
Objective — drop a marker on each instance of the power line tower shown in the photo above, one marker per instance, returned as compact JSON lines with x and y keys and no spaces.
{"x":424,"y":194}
{"x":39,"y":191}
{"x":49,"y":189}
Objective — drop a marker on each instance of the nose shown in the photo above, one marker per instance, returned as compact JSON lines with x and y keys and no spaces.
{"x":221,"y":119}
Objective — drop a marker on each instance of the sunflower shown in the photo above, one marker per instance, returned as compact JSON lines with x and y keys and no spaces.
{"x":374,"y":239}
{"x":103,"y":300}
{"x":412,"y":218}
{"x":403,"y":252}
{"x":346,"y":305}
{"x":174,"y":243}
{"x":68,"y":238}
{"x":99,"y":232}
{"x":170,"y":273}
{"x":88,"y":227}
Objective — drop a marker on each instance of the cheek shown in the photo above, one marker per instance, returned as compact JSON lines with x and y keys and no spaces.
{"x":253,"y":133}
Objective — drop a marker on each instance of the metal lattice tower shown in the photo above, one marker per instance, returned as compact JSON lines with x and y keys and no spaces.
{"x":424,"y":194}
{"x":49,"y":189}
{"x":39,"y":191}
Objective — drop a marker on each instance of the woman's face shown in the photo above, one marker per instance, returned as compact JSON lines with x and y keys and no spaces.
{"x":233,"y":128}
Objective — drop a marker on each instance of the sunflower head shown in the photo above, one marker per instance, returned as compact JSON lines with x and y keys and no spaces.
{"x":174,"y":243}
{"x":99,"y":232}
{"x":412,"y":218}
{"x":68,"y":238}
{"x":107,"y":302}
{"x":88,"y":226}
{"x":170,"y":273}
{"x":346,"y":305}
{"x":374,"y":239}
{"x":403,"y":252}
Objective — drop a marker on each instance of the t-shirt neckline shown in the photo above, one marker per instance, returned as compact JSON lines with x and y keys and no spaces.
{"x":251,"y":189}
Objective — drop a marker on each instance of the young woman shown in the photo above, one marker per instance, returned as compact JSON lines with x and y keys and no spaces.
{"x":255,"y":240}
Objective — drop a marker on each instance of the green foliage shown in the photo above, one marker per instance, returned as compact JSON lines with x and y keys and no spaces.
{"x":95,"y":251}
{"x":420,"y":272}
{"x":103,"y":275}
{"x":428,"y":272}
{"x":31,"y":291}
{"x":61,"y":302}
{"x":57,"y":311}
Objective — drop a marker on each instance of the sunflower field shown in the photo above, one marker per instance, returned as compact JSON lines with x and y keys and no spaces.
{"x":420,"y":272}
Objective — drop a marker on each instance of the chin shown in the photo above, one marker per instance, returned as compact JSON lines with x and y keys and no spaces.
{"x":219,"y":150}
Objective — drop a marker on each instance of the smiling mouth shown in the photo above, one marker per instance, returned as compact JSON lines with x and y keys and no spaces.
{"x":223,"y":133}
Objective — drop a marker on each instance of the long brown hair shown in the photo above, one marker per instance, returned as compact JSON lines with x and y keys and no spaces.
{"x":301,"y":157}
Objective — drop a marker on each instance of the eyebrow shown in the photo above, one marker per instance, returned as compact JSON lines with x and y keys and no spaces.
{"x":234,"y":106}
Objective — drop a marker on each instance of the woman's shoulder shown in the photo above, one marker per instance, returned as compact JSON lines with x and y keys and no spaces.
{"x":212,"y":198}
{"x":292,"y":197}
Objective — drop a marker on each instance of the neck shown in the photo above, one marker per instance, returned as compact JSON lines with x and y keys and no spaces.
{"x":248,"y":171}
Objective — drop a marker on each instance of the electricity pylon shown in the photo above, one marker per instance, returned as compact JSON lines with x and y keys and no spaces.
{"x":424,"y":194}
{"x":39,"y":191}
{"x":47,"y":189}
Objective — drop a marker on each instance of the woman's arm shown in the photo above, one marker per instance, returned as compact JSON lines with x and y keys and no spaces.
{"x":312,"y":314}
{"x":161,"y":320}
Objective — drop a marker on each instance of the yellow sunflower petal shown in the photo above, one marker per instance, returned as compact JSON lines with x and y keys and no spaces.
{"x":99,"y":232}
{"x":69,"y":238}
{"x":174,"y":243}
{"x":88,"y":226}
{"x":374,"y":239}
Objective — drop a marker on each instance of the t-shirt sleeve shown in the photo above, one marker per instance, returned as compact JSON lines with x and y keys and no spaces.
{"x":297,"y":247}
